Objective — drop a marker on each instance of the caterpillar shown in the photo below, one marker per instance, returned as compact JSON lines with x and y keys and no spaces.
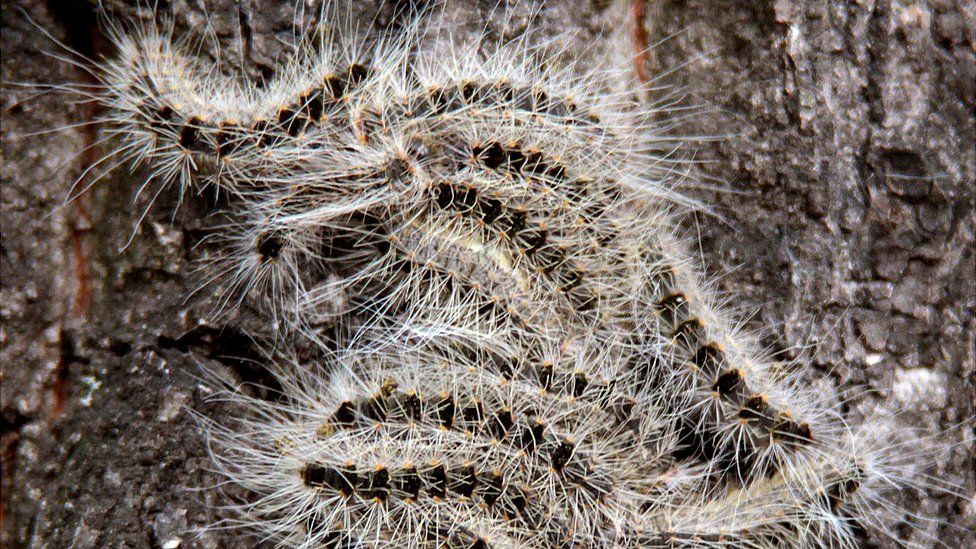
{"x":496,"y":214}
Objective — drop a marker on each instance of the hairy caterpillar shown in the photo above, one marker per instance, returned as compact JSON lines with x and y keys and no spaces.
{"x":674,"y":338}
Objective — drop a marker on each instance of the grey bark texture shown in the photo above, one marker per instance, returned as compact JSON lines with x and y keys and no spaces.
{"x":842,"y":227}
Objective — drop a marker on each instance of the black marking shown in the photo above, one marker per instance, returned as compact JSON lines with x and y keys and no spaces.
{"x":791,"y":432}
{"x":540,"y":99}
{"x":586,"y":304}
{"x":579,"y":383}
{"x":534,"y":239}
{"x":375,"y":484}
{"x":266,"y":133}
{"x":408,"y":482}
{"x":291,"y":121}
{"x":492,"y":156}
{"x":474,"y":412}
{"x":345,"y":416}
{"x":334,"y":86}
{"x":728,"y":383}
{"x":516,"y":503}
{"x":545,"y":374}
{"x":438,"y":99}
{"x":375,"y":408}
{"x":468,"y":198}
{"x":691,"y":332}
{"x":343,"y":480}
{"x":561,"y":454}
{"x":445,"y":411}
{"x":493,"y":487}
{"x":228,"y":139}
{"x":470,"y":92}
{"x":757,"y":409}
{"x":501,"y":423}
{"x":190,"y":133}
{"x":443,"y":194}
{"x":549,"y":259}
{"x":504,"y":91}
{"x":314,"y":104}
{"x":572,"y":280}
{"x":437,"y":481}
{"x":491,"y":209}
{"x":357,"y":73}
{"x":709,"y":359}
{"x":466,"y":480}
{"x":269,"y":246}
{"x":602,"y":392}
{"x":313,"y":475}
{"x":517,"y":222}
{"x":410,"y":404}
{"x":531,"y":435}
{"x":583,"y":476}
{"x":673,"y":308}
{"x":165,"y":113}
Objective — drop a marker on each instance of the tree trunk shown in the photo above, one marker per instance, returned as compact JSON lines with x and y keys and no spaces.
{"x":840,"y":176}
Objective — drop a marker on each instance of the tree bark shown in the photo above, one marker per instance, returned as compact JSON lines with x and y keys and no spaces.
{"x":839,"y":166}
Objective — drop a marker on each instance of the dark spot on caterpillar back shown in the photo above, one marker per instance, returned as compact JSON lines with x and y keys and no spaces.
{"x":334,"y":86}
{"x":343,"y":480}
{"x":375,"y":484}
{"x":531,"y":435}
{"x":375,"y":408}
{"x":408,"y":482}
{"x":690,"y":333}
{"x":466,"y":480}
{"x":229,"y":139}
{"x":410,"y":404}
{"x":473,"y":412}
{"x":445,"y":411}
{"x":709,"y":359}
{"x":165,"y":113}
{"x":292,"y":120}
{"x":501,"y":423}
{"x":491,"y":209}
{"x":579,"y":383}
{"x":493,"y":487}
{"x":560,"y":455}
{"x":190,"y":133}
{"x":516,"y":222}
{"x":436,"y":478}
{"x":544,"y":373}
{"x":357,"y":73}
{"x":757,"y":409}
{"x":728,"y":382}
{"x":345,"y":416}
{"x":791,"y":432}
{"x":313,"y":102}
{"x":269,"y":246}
{"x":673,"y":307}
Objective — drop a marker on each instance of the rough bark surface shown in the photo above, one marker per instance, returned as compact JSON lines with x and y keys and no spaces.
{"x":845,"y":227}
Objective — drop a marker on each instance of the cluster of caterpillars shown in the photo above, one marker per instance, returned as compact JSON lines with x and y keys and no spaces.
{"x":515,"y":232}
